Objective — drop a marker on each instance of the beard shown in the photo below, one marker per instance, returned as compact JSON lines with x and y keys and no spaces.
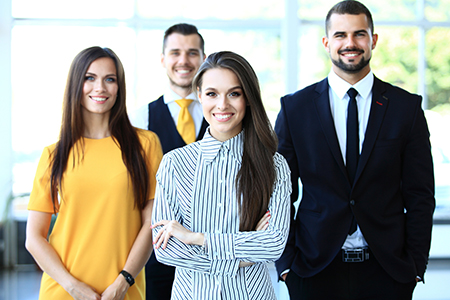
{"x":184,"y":86}
{"x":348,"y":67}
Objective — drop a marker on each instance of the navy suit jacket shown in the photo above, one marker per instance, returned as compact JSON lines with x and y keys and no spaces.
{"x":393,"y":192}
{"x":160,"y":121}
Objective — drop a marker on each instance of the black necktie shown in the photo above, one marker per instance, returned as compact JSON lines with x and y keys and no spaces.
{"x":352,"y":152}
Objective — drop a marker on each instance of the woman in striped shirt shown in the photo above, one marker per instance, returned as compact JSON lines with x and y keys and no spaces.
{"x":214,"y":196}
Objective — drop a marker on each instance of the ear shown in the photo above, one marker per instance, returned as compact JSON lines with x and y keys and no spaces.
{"x":374,"y":40}
{"x":325,"y":43}
{"x":199,"y":95}
{"x":162,"y":60}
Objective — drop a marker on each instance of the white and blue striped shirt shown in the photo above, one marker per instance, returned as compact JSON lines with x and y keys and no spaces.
{"x":196,"y":187}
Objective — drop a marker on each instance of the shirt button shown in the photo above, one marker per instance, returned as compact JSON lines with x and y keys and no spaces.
{"x":352,"y":202}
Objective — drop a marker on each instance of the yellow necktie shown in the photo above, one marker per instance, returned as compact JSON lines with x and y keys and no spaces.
{"x":185,"y":126}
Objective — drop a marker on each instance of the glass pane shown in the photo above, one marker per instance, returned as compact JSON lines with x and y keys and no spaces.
{"x":395,"y":57}
{"x":38,"y":81}
{"x":438,"y":67}
{"x":261,"y":49}
{"x":438,"y":90}
{"x":380,"y":9}
{"x":314,"y":59}
{"x":233,"y":9}
{"x":437,"y":10}
{"x":80,"y":9}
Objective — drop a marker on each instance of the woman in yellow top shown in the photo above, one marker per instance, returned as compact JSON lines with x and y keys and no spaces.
{"x":99,"y":179}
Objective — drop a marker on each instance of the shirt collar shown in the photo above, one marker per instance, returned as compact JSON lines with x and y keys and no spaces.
{"x":210,"y":147}
{"x":171,"y":96}
{"x":340,"y":86}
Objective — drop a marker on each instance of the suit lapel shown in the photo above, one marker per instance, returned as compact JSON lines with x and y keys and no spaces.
{"x":322,"y":103}
{"x":377,"y":111}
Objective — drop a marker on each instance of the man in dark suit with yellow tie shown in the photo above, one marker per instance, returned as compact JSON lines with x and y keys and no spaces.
{"x":361,"y":149}
{"x":177,"y":119}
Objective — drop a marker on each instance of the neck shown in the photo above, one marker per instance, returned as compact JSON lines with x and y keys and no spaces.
{"x":351,"y":78}
{"x":183,"y":92}
{"x":96,"y":127}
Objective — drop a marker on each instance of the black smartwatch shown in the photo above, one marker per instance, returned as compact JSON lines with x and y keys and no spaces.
{"x":128,"y":277}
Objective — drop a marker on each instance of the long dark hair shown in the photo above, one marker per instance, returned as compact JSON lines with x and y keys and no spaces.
{"x":256,"y":178}
{"x":72,"y":128}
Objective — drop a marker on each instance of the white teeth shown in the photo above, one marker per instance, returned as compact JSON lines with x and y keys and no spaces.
{"x":350,"y":54}
{"x":98,"y":99}
{"x":223,"y":117}
{"x":183,"y":71}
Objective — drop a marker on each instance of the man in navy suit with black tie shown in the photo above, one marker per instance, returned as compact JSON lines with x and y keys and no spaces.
{"x":361,"y":149}
{"x":177,"y":119}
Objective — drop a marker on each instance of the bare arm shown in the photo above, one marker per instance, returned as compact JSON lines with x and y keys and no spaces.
{"x":45,"y":255}
{"x":139,"y":255}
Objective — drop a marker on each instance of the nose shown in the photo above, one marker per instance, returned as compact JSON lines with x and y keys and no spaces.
{"x":183,"y":58}
{"x":222,"y":103}
{"x":99,"y":85}
{"x":351,"y":41}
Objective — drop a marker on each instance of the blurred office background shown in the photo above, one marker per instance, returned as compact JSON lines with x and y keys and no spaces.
{"x":280,"y":38}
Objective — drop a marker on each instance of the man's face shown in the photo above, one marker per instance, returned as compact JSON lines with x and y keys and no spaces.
{"x":350,"y":42}
{"x":182,"y":58}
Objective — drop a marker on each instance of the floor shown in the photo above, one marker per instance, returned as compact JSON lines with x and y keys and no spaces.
{"x":23,"y":283}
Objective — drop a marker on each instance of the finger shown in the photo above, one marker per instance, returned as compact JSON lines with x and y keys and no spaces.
{"x":161,"y":238}
{"x":160,"y":223}
{"x":166,"y":239}
{"x":263,"y":221}
{"x":158,"y":235}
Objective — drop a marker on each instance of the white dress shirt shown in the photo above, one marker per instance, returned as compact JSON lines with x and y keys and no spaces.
{"x":196,"y":187}
{"x":339,"y":104}
{"x":139,"y":118}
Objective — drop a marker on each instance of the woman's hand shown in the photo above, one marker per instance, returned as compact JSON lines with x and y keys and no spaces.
{"x":264,"y":222}
{"x":173,"y":228}
{"x":81,"y":291}
{"x":117,"y":290}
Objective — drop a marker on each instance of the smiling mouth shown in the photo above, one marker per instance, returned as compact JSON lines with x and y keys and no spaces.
{"x":98,"y":99}
{"x":223,"y":117}
{"x":350,"y":52}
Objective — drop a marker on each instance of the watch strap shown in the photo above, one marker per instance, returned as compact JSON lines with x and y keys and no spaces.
{"x":128,"y":277}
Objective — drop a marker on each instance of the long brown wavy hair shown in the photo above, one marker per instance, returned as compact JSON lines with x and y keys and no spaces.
{"x":256,"y":178}
{"x":72,"y":128}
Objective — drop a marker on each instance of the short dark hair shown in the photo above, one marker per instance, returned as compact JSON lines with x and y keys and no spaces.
{"x":184,"y":29}
{"x":351,"y":7}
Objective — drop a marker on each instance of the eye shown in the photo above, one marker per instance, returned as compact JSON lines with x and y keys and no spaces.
{"x":235,"y":94}
{"x":210,"y":94}
{"x":193,"y":53}
{"x":110,"y":79}
{"x":90,"y":78}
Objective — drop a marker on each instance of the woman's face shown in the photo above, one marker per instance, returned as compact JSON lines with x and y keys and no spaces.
{"x":223,"y":103}
{"x":100,"y":88}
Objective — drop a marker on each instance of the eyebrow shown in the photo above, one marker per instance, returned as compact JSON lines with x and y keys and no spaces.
{"x":190,"y":49}
{"x":357,"y":31}
{"x":90,"y":73}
